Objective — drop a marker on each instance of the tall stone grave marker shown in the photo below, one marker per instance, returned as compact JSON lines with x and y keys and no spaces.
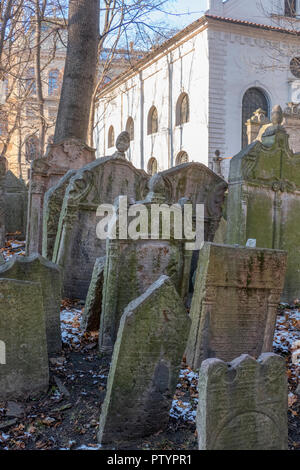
{"x":132,"y":265}
{"x":243,"y":405}
{"x":16,"y":195}
{"x":264,"y":199}
{"x":145,"y":366}
{"x":24,"y":370}
{"x":46,"y":172}
{"x":37,"y":269}
{"x":99,"y":182}
{"x":234,"y":307}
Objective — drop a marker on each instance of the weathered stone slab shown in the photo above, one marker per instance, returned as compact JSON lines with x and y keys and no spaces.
{"x":37,"y":269}
{"x":46,"y":171}
{"x":90,"y":320}
{"x":145,"y":366}
{"x":234,"y":306}
{"x":264,"y":200}
{"x":22,"y":330}
{"x":16,"y":195}
{"x":200,"y":185}
{"x":134,"y":265}
{"x":99,"y":182}
{"x":243,"y":405}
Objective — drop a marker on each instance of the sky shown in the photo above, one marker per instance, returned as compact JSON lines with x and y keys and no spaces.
{"x":187,"y":11}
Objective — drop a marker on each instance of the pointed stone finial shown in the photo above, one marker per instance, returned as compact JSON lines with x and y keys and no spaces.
{"x":277,"y":115}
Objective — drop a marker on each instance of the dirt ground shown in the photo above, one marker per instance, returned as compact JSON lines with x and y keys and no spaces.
{"x":67,"y":416}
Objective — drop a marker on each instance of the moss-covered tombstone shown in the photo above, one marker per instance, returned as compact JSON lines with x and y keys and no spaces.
{"x":145,"y":365}
{"x":234,"y":306}
{"x":24,"y":361}
{"x":264,"y":199}
{"x":132,"y":265}
{"x":243,"y":404}
{"x":76,"y":246}
{"x":37,"y":269}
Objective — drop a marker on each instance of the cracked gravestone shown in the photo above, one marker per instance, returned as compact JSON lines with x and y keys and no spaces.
{"x":145,"y":365}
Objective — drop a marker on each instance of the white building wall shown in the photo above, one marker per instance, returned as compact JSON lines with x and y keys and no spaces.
{"x":184,"y":69}
{"x":215,"y":67}
{"x":268,"y":12}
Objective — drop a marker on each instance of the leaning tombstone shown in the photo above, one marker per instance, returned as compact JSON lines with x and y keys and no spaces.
{"x":37,"y":269}
{"x":53,"y":202}
{"x":102,"y":181}
{"x":264,"y":199}
{"x":243,"y":404}
{"x":90,"y":320}
{"x":234,"y":306}
{"x":145,"y":365}
{"x":46,"y":171}
{"x":135,"y":261}
{"x":23,"y":362}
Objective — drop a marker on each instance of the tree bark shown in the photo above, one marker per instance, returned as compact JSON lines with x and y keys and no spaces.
{"x":80,"y":71}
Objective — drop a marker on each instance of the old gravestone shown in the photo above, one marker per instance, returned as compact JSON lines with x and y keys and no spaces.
{"x":264,"y":199}
{"x":46,"y":172}
{"x":132,"y":265}
{"x":53,"y":201}
{"x":37,"y":269}
{"x":234,"y":307}
{"x":145,"y":366}
{"x":90,"y":320}
{"x":200,"y":185}
{"x":16,"y":195}
{"x":243,"y":405}
{"x":3,"y":168}
{"x":99,"y":182}
{"x":77,"y":199}
{"x":24,"y":370}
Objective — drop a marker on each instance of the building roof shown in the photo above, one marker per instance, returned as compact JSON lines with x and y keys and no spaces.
{"x":253,"y":25}
{"x":202,"y":21}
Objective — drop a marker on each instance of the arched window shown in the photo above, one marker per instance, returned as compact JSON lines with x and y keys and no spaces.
{"x":31,"y":148}
{"x":53,"y":82}
{"x":130,"y":128}
{"x":152,"y":121}
{"x":111,"y":137}
{"x":30,"y":81}
{"x":253,"y":99}
{"x":152,"y":166}
{"x":182,"y":109}
{"x":181,"y":158}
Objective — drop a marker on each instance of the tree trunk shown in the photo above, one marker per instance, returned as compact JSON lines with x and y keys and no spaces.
{"x":38,"y":77}
{"x":80,"y":71}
